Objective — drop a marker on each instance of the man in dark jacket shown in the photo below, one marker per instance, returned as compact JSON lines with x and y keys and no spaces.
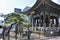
{"x":29,"y":33}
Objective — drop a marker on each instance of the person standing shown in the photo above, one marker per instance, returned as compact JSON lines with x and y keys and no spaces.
{"x":29,"y":33}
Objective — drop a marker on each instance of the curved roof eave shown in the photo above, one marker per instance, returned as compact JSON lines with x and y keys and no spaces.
{"x":52,"y":4}
{"x":39,"y":2}
{"x":36,"y":5}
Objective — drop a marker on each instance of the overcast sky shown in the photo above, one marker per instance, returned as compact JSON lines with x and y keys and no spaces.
{"x":7,"y":6}
{"x":57,"y":1}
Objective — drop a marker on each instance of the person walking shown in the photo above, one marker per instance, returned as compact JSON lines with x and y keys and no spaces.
{"x":29,"y":33}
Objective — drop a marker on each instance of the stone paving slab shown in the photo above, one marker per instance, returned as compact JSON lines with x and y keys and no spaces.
{"x":47,"y":38}
{"x":35,"y":37}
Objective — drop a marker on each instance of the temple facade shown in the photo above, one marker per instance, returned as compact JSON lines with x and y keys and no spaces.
{"x":44,"y":13}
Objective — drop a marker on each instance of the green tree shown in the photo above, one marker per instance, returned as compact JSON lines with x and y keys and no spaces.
{"x":26,"y":24}
{"x":15,"y":16}
{"x":5,"y":24}
{"x":18,"y":17}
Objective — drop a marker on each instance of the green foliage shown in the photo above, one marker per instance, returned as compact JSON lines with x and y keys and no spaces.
{"x":26,"y":24}
{"x":5,"y":24}
{"x":18,"y":17}
{"x":15,"y":16}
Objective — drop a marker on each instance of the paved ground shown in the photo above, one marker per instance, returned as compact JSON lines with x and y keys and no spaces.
{"x":35,"y":37}
{"x":53,"y":38}
{"x":23,"y":38}
{"x":47,"y":38}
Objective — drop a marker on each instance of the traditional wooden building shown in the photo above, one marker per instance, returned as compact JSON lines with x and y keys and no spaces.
{"x":43,"y":13}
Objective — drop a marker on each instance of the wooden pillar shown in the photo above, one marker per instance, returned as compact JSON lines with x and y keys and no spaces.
{"x":47,"y":21}
{"x":57,"y":21}
{"x":32,"y":24}
{"x":44,"y":16}
{"x":41,"y":20}
{"x":52,"y":22}
{"x":34,"y":20}
{"x":49,"y":17}
{"x":37,"y":22}
{"x":44,"y":19}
